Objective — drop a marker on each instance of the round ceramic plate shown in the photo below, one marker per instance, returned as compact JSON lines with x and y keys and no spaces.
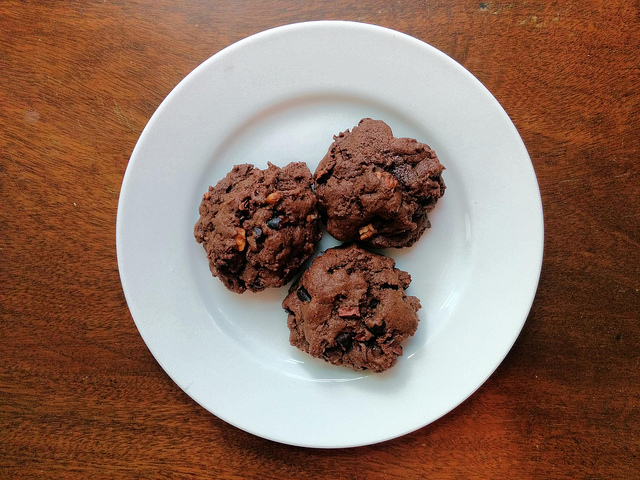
{"x":280,"y":96}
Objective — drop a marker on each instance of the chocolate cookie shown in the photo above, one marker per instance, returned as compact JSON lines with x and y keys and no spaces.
{"x":259,"y":226}
{"x":349,"y":308}
{"x":377,"y":189}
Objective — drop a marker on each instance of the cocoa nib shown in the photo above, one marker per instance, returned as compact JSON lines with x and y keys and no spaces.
{"x":349,"y":312}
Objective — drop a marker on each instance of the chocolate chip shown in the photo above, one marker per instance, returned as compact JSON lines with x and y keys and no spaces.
{"x":371,"y":343}
{"x":378,"y":330}
{"x":274,"y":223}
{"x":332,"y":353}
{"x":289,"y":311}
{"x":242,"y":214}
{"x":405,"y":174}
{"x":257,"y":233}
{"x":303,"y":295}
{"x":345,"y":340}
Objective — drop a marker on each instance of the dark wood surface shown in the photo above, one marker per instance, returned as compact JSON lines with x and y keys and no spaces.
{"x":82,"y":397}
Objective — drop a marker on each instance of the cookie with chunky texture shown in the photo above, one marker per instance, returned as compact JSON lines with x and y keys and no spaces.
{"x":350,"y":308}
{"x":377,"y":189}
{"x":259,"y":226}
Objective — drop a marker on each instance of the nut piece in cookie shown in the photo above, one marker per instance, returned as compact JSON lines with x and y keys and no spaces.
{"x":259,"y":226}
{"x":377,"y":189}
{"x":350,"y":308}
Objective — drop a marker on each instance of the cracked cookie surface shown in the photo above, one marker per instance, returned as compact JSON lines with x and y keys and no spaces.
{"x":259,"y":226}
{"x":349,"y":308}
{"x":377,"y":189}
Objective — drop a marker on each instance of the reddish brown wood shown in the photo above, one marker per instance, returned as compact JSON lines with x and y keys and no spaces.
{"x":82,"y":397}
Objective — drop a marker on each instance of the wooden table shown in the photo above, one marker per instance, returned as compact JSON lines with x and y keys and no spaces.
{"x":82,"y":397}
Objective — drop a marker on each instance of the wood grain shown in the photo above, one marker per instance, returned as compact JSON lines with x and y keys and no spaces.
{"x":82,"y":397}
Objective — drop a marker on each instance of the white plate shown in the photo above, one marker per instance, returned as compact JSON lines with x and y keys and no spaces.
{"x":280,"y":96}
